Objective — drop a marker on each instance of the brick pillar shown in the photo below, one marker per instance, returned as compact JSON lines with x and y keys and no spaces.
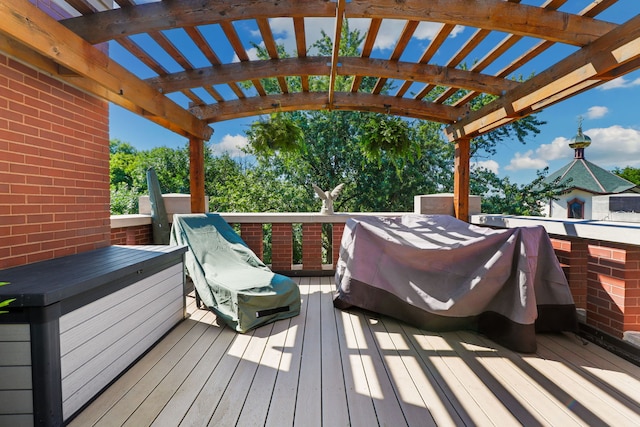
{"x":613,"y":298}
{"x":632,"y":290}
{"x":252,"y":236}
{"x":312,"y":246}
{"x":281,"y":247}
{"x":336,"y":238}
{"x":572,"y":254}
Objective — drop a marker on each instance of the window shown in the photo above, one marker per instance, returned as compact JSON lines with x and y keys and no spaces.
{"x":575,"y":208}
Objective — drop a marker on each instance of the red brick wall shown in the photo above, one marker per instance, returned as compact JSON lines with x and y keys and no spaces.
{"x":572,"y":254}
{"x":613,"y":303}
{"x":252,"y":236}
{"x":312,"y":246}
{"x":281,"y":247}
{"x":54,"y":168}
{"x":336,"y":239}
{"x":137,"y":235}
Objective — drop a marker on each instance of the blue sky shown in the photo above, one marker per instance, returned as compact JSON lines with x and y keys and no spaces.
{"x":610,"y":113}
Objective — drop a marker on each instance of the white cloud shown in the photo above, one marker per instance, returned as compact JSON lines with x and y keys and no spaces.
{"x":596,"y":112}
{"x":610,"y":147}
{"x":614,"y":146}
{"x":389,"y":33}
{"x":253,"y":53}
{"x":557,"y":149}
{"x":230,"y":144}
{"x":491,"y":165}
{"x":526,"y":161}
{"x":428,"y":30}
{"x":620,"y":82}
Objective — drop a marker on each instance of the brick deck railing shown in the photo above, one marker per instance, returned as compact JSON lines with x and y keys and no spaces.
{"x":601,"y":259}
{"x":136,"y":230}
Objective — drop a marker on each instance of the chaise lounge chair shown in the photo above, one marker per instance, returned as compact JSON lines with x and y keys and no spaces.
{"x":228,"y":277}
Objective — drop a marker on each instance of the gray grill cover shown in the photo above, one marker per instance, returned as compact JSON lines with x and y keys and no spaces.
{"x":439,"y":273}
{"x":229,"y":277}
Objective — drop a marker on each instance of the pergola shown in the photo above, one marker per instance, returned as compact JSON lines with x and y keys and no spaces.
{"x":594,"y":51}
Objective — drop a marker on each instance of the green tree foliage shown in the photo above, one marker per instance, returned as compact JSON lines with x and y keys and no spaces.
{"x":628,"y":173}
{"x":383,"y":160}
{"x":501,"y":196}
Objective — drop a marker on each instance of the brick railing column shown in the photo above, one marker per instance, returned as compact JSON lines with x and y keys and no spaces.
{"x":312,"y":246}
{"x":336,"y":238}
{"x":137,"y":235}
{"x":632,"y":291}
{"x":613,"y":298}
{"x":281,"y":247}
{"x":572,"y":254}
{"x":252,"y":236}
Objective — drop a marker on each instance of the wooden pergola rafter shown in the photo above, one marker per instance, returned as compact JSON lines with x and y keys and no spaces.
{"x":433,"y":87}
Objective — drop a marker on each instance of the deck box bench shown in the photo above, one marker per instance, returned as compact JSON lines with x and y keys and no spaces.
{"x":78,"y":322}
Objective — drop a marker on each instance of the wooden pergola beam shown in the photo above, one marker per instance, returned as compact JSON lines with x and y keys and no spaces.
{"x":333,"y":74}
{"x":588,"y":67}
{"x":494,"y":15}
{"x":497,"y":15}
{"x":310,"y":66}
{"x":345,"y":101}
{"x":101,"y":76}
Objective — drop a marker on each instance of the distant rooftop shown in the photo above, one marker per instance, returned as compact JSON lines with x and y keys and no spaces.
{"x":584,"y":175}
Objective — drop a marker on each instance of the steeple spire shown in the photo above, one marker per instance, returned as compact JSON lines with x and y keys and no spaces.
{"x":580,"y":141}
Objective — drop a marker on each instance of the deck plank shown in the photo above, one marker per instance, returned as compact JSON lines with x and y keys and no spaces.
{"x":534,"y":405}
{"x":472,"y":400}
{"x":258,"y":401}
{"x":283,"y":400}
{"x":413,"y":408}
{"x":137,"y":395}
{"x":425,"y":378}
{"x":617,"y":373}
{"x":174,"y":411}
{"x":584,"y":390}
{"x":385,"y":401}
{"x":309,"y":402}
{"x":359,"y":401}
{"x":334,"y":398}
{"x":231,"y":404}
{"x":101,"y":406}
{"x":165,"y":385}
{"x":331,"y":367}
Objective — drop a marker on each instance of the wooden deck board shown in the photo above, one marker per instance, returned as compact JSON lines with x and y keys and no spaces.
{"x":334,"y":398}
{"x":309,"y":403}
{"x":328,"y":367}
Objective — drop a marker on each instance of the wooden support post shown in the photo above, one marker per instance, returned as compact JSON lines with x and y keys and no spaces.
{"x":461,"y":178}
{"x":196,"y":174}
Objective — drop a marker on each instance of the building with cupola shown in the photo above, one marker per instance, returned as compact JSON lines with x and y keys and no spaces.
{"x":586,"y":183}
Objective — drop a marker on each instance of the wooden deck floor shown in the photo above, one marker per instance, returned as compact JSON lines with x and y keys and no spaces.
{"x":333,"y":368}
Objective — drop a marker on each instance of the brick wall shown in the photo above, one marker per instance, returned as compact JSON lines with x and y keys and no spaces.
{"x":136,"y":235}
{"x":613,"y":299}
{"x":281,"y":247}
{"x":572,"y":254}
{"x":54,"y":168}
{"x":252,"y":235}
{"x":312,"y":246}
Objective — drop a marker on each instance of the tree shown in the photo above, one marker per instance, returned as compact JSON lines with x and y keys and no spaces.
{"x":628,"y":173}
{"x":501,"y":196}
{"x":383,"y":160}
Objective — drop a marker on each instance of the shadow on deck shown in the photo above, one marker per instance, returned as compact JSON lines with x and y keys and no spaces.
{"x":328,"y":367}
